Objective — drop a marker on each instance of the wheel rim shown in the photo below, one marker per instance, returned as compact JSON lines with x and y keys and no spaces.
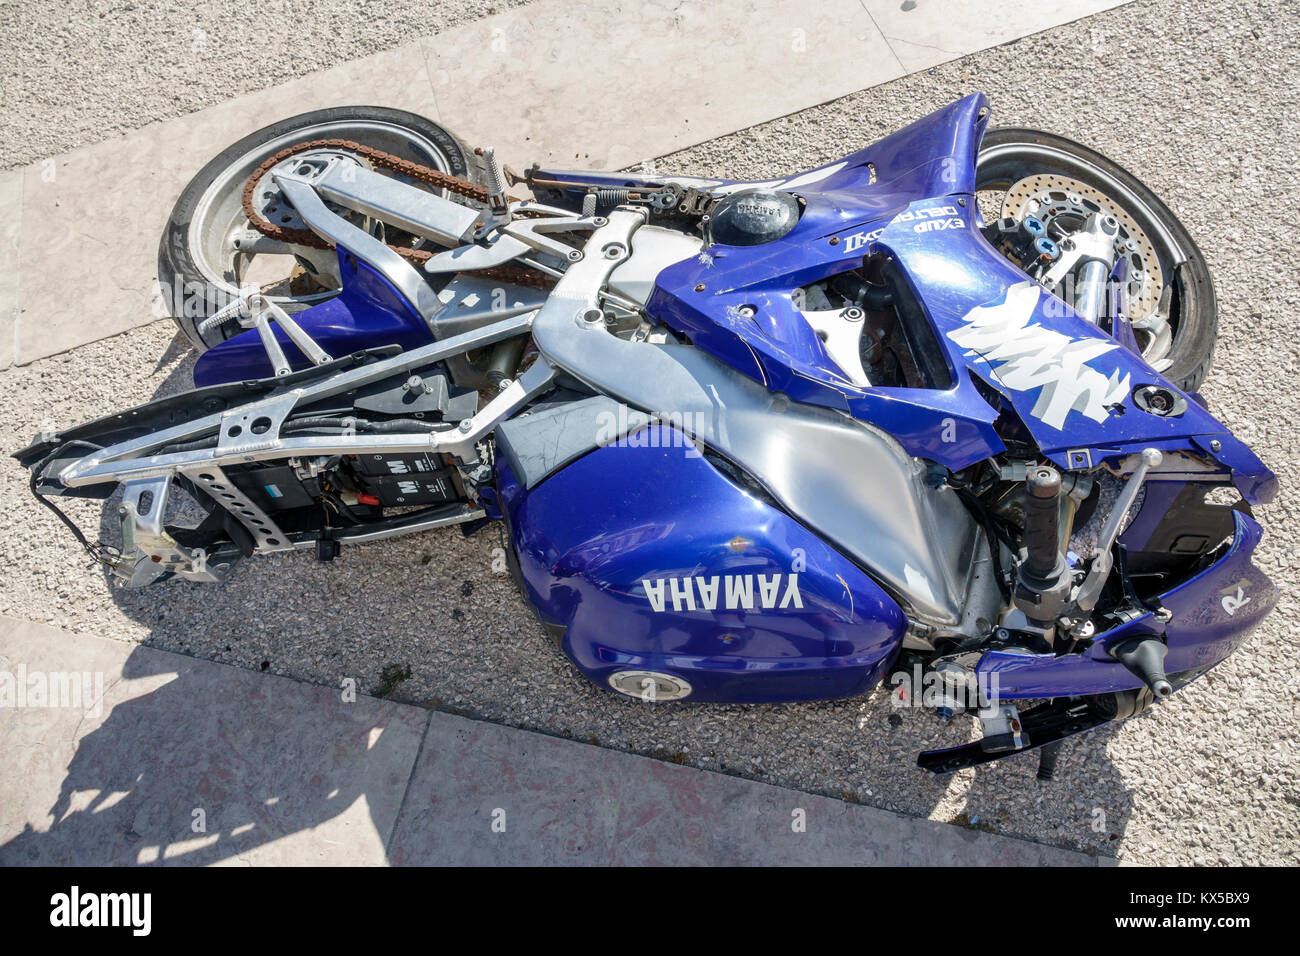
{"x":219,"y":215}
{"x":1002,"y":166}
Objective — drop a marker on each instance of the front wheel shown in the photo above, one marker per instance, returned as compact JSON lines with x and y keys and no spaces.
{"x":1171,"y":304}
{"x":209,"y":251}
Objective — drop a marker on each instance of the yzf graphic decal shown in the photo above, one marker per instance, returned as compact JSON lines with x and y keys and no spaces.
{"x":1025,"y":355}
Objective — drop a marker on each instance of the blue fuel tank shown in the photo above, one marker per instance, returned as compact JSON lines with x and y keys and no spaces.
{"x":719,"y":596}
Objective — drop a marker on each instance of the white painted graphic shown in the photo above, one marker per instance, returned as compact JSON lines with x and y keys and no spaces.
{"x":1024,"y":355}
{"x":926,"y":219}
{"x":1234,"y":603}
{"x":734,"y":592}
{"x":919,"y":214}
{"x":859,"y":239}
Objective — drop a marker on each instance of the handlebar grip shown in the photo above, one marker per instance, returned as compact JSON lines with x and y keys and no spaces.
{"x":1042,"y":521}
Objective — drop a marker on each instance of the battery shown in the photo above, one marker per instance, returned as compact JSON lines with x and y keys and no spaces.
{"x":274,"y":488}
{"x":392,"y":463}
{"x":415,"y":488}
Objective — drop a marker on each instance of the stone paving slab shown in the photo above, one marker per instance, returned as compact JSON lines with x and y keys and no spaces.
{"x":526,"y":80}
{"x":925,"y":33}
{"x":145,"y":744}
{"x":279,"y":772}
{"x":11,"y":206}
{"x":487,"y":794}
{"x":534,"y":85}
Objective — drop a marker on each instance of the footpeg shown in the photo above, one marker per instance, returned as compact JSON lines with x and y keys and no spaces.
{"x":1045,"y":724}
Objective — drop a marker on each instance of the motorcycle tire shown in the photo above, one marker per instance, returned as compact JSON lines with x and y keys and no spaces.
{"x":192,"y":287}
{"x":1008,"y":154}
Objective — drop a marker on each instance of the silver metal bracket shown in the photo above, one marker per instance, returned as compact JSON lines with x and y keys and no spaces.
{"x":148,"y":551}
{"x":140,"y":457}
{"x":258,"y":312}
{"x":344,"y":235}
{"x":1003,"y":729}
{"x":1090,"y":590}
{"x":416,"y":210}
{"x":841,"y":333}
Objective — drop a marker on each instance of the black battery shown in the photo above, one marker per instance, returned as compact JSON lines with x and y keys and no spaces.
{"x":415,"y":488}
{"x":406,"y":463}
{"x":273,"y":488}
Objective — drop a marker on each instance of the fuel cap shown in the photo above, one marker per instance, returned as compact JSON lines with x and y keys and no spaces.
{"x":752,"y":217}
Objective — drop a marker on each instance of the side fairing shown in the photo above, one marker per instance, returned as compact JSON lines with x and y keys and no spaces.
{"x":647,"y":557}
{"x":741,"y":303}
{"x":910,"y":197}
{"x":1070,"y":383}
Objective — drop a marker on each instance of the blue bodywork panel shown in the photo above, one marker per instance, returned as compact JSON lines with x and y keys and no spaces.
{"x":651,"y":565}
{"x":368,"y":313}
{"x":911,"y":197}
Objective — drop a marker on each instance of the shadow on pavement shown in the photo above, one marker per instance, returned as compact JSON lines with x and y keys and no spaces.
{"x":215,"y":763}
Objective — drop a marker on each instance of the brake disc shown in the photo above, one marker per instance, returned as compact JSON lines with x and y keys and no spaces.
{"x":1062,"y":204}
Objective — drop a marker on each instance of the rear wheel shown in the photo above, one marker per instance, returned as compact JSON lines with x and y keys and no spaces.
{"x":1171,"y":303}
{"x":201,"y":265}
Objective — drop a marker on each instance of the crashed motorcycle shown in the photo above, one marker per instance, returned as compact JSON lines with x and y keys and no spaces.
{"x":927,"y":412}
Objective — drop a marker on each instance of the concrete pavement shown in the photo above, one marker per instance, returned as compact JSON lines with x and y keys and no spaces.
{"x":120,"y":754}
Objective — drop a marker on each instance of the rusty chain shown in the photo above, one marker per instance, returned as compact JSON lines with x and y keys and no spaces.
{"x":423,"y":174}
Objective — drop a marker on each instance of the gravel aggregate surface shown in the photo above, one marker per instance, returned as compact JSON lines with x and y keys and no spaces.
{"x":1202,"y":101}
{"x":82,"y":74}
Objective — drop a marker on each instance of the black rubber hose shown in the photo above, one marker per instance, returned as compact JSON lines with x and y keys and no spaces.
{"x":196,"y":445}
{"x":870,"y":297}
{"x":991,"y":531}
{"x":407,"y":425}
{"x":363,"y":424}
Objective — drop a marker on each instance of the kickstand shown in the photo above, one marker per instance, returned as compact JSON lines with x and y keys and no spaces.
{"x":1047,"y":756}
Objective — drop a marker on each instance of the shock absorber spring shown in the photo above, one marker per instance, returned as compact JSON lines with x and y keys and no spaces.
{"x":494,"y":179}
{"x":604,"y":197}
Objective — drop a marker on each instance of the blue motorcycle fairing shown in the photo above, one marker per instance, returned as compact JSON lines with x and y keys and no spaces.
{"x":1213,"y":613}
{"x":641,"y":550}
{"x":933,"y":156}
{"x":1069,"y":381}
{"x":368,"y":312}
